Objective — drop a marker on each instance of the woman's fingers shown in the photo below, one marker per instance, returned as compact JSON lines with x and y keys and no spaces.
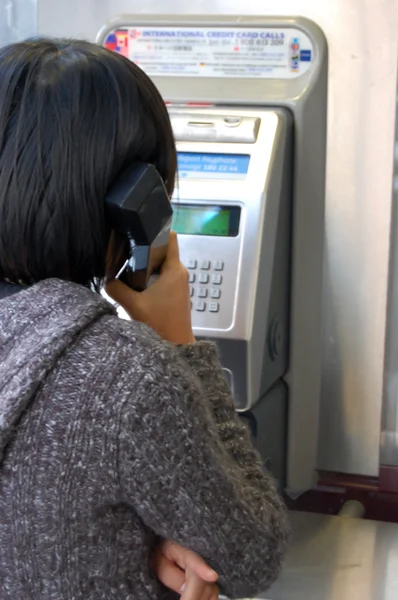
{"x":168,"y":573}
{"x":197,"y":589}
{"x":197,"y":565}
{"x":187,"y":559}
{"x":173,"y":253}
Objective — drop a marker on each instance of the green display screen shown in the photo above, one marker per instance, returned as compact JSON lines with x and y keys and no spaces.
{"x":222,"y":221}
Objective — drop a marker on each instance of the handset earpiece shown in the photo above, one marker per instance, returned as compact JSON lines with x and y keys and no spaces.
{"x":140,"y":211}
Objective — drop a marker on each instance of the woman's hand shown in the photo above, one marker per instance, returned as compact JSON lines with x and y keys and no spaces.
{"x":166,"y":305}
{"x":185,"y":572}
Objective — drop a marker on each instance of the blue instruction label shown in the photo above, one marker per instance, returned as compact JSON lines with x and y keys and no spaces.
{"x":196,"y":165}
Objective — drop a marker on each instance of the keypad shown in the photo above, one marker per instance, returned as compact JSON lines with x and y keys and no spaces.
{"x":206,"y":279}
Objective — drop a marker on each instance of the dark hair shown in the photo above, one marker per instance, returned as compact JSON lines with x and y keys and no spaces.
{"x":73,"y":115}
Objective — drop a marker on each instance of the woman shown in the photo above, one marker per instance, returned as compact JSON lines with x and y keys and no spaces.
{"x":114,"y":435}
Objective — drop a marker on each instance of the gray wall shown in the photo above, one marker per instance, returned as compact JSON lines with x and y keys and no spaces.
{"x":18,"y":20}
{"x":389,"y":437}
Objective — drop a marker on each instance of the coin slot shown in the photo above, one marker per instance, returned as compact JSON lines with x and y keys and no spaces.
{"x":200,"y":124}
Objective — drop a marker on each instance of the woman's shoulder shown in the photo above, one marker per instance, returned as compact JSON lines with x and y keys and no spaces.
{"x":136,"y":365}
{"x":133,"y":351}
{"x":89,"y":328}
{"x":132,"y":336}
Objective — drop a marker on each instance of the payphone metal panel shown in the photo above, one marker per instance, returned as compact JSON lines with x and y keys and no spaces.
{"x":255,"y":87}
{"x":239,"y":282}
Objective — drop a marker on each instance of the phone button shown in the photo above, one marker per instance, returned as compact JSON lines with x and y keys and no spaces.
{"x":191,"y":278}
{"x":215,"y":293}
{"x":205,"y":265}
{"x":217,"y":279}
{"x":200,"y":306}
{"x":192,"y":264}
{"x":214,"y":307}
{"x":202,"y":292}
{"x":203,"y":278}
{"x":218,"y":265}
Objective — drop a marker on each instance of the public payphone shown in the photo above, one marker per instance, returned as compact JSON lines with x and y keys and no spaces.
{"x":247,"y":102}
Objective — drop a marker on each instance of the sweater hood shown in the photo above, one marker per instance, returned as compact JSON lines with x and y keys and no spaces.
{"x":37,"y":325}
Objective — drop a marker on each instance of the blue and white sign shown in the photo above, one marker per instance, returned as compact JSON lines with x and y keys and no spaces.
{"x":244,"y":52}
{"x":195,"y":165}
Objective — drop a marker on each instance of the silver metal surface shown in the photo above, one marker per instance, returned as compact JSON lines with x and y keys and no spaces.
{"x":335,"y":558}
{"x":18,"y":20}
{"x":389,"y":435}
{"x":234,"y":319}
{"x":248,"y":258}
{"x":188,"y":127}
{"x":362,"y":39}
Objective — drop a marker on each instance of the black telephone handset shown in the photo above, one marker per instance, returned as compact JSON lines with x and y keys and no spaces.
{"x":140,"y":211}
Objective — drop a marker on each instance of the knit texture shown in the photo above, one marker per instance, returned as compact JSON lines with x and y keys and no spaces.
{"x":111,"y":438}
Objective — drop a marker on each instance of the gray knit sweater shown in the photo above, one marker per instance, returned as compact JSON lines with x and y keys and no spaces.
{"x":111,"y":438}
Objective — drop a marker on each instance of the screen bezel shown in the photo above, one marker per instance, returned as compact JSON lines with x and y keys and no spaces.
{"x":234,"y":222}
